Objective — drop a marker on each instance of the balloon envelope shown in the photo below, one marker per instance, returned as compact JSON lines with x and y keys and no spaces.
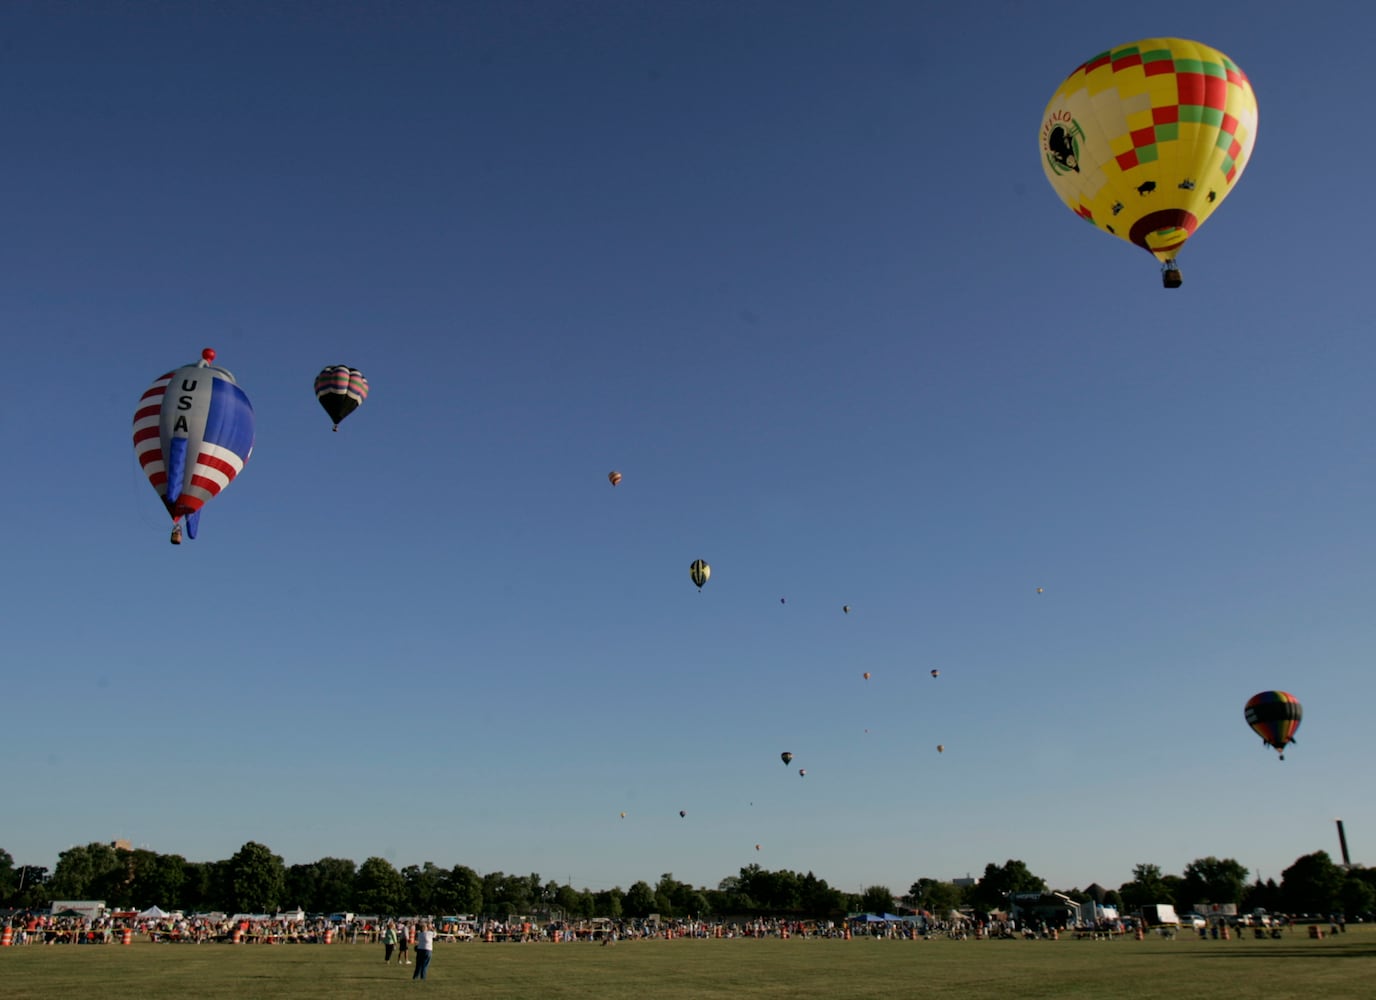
{"x":1145,"y":141}
{"x":340,"y":390}
{"x":699,"y":572}
{"x":786,"y":757}
{"x":1274,"y":716}
{"x":193,"y":433}
{"x":614,"y":478}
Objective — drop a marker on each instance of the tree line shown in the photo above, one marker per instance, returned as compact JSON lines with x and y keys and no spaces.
{"x":254,"y":880}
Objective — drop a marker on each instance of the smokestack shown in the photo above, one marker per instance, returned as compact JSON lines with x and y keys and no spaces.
{"x":1342,"y":842}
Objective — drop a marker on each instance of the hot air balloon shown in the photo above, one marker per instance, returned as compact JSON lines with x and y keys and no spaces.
{"x":866,"y":675}
{"x":682,"y":813}
{"x":802,"y":772}
{"x":699,"y":572}
{"x":786,"y":757}
{"x":1146,"y":140}
{"x":845,"y":608}
{"x":193,"y":433}
{"x":757,"y":847}
{"x":340,"y":390}
{"x":1274,"y":715}
{"x":614,"y":478}
{"x":936,"y":673}
{"x":941,"y":748}
{"x":1039,"y":590}
{"x":623,"y":815}
{"x":783,"y":600}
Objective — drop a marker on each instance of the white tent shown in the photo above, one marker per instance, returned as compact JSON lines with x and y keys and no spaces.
{"x":153,"y":913}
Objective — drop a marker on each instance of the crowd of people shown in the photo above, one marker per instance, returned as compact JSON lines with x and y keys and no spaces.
{"x":405,"y":937}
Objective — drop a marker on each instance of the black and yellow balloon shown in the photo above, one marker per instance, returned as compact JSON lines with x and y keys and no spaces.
{"x":699,"y":572}
{"x":1145,"y":141}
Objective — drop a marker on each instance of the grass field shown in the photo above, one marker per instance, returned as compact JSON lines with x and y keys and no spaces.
{"x":1296,"y":968}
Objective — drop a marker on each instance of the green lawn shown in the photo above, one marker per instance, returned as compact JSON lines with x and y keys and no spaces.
{"x":1296,"y":968}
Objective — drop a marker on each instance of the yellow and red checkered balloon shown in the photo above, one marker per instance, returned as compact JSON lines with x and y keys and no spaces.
{"x":1145,"y":141}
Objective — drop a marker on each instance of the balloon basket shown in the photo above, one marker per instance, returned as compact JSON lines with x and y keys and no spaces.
{"x":1171,"y":276}
{"x":176,"y":538}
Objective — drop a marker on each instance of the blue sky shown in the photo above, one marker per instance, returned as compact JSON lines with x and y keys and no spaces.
{"x":794,"y":270}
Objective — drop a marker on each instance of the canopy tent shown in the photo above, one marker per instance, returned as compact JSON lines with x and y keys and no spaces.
{"x":153,"y":913}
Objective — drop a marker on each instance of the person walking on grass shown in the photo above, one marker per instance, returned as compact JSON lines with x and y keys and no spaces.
{"x":404,"y":943}
{"x":425,"y":943}
{"x":389,"y":941}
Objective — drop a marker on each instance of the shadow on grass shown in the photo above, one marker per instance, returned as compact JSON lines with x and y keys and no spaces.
{"x":1286,"y":952}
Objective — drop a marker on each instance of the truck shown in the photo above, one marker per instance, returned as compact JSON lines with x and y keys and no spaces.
{"x":1160,"y":915}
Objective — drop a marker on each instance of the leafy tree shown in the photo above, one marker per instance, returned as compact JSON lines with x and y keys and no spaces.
{"x":640,"y":900}
{"x":1263,"y":895}
{"x":1212,"y":880}
{"x":876,"y":899}
{"x":1313,"y":884}
{"x":31,"y":887}
{"x":991,"y":892}
{"x":464,"y":890}
{"x":424,"y":887}
{"x":157,"y":879}
{"x":1148,"y":886}
{"x":608,"y":903}
{"x":257,"y":879}
{"x":575,"y":904}
{"x":9,"y":878}
{"x":1357,"y":896}
{"x":936,"y":896}
{"x":334,"y":886}
{"x":505,"y":894}
{"x":301,"y":886}
{"x":200,"y":888}
{"x":84,"y":872}
{"x":817,"y":899}
{"x":379,"y":888}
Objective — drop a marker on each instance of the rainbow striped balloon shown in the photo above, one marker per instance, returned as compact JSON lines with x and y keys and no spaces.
{"x":1274,"y":715}
{"x":340,"y":390}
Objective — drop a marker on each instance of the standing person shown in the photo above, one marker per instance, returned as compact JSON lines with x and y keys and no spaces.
{"x":425,"y":943}
{"x":389,"y":941}
{"x":403,"y":942}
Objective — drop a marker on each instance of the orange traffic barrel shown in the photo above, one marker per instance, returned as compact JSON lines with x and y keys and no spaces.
{"x":128,"y":936}
{"x":7,"y":937}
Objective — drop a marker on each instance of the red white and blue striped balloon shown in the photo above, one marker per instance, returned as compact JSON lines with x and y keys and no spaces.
{"x":193,"y":433}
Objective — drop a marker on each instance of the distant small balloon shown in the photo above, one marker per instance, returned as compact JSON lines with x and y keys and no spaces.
{"x":623,"y":815}
{"x":757,"y":847}
{"x":1039,"y":590}
{"x":786,"y":757}
{"x":614,"y":478}
{"x":682,"y":813}
{"x":941,"y":748}
{"x":802,"y":772}
{"x":783,"y":600}
{"x":866,"y":675}
{"x":936,"y":673}
{"x":845,"y":608}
